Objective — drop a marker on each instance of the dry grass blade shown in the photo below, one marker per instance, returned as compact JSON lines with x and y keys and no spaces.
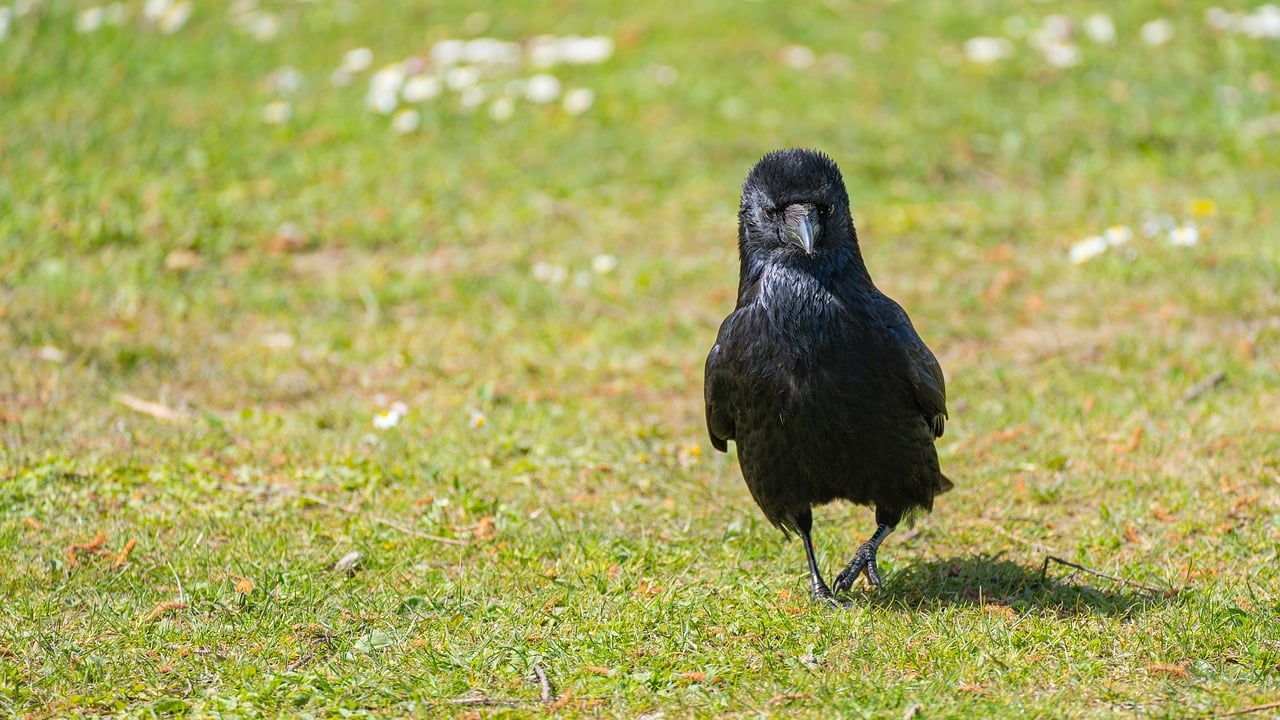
{"x":154,"y":409}
{"x":1044,"y":571}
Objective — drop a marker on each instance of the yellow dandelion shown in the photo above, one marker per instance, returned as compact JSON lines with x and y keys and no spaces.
{"x":1203,"y":207}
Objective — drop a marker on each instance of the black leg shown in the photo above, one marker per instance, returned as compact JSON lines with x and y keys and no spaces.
{"x":817,"y":586}
{"x":864,"y":561}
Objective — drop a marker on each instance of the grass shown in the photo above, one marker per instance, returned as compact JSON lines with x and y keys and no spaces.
{"x":549,"y":502}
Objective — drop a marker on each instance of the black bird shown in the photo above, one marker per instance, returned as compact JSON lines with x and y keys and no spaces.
{"x":819,"y":378}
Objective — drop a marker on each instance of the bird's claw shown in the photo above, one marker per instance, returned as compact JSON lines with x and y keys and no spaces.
{"x":822,"y":594}
{"x":863,"y":563}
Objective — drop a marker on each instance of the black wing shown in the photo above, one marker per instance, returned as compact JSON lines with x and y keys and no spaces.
{"x":717,"y":389}
{"x":919,"y":364}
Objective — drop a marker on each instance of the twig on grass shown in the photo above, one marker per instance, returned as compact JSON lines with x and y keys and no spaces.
{"x":543,"y":683}
{"x":1246,"y":711}
{"x":1044,"y":573}
{"x":547,"y":696}
{"x":1202,"y":387}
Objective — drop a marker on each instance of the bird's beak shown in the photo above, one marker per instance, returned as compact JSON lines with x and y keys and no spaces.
{"x":804,"y":234}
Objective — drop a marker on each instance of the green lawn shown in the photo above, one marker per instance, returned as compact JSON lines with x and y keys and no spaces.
{"x":219,"y":269}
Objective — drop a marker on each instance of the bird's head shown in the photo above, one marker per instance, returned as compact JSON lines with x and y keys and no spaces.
{"x":794,"y":201}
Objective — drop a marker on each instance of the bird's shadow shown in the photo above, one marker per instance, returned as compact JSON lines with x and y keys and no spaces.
{"x":983,"y":581}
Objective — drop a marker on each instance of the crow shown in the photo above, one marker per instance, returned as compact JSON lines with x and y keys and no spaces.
{"x":818,"y":377}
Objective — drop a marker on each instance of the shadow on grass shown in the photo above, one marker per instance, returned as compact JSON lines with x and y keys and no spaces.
{"x":986,"y":581}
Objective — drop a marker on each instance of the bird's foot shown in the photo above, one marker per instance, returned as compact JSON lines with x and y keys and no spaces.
{"x":863,"y":562}
{"x":823,"y":595}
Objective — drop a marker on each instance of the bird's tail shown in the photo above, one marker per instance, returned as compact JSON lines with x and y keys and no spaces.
{"x":944,"y":484}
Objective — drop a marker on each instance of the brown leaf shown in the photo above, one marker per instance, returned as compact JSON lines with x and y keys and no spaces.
{"x":598,"y":670}
{"x":692,"y":676}
{"x":561,"y":701}
{"x":1134,"y":438}
{"x":1178,"y":671}
{"x":1004,"y":610}
{"x":244,"y":586}
{"x":647,"y":587}
{"x":1131,"y":534}
{"x":32,"y":523}
{"x":484,"y":529}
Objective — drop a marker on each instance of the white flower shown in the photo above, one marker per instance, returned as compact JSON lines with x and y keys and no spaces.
{"x":386,"y":420}
{"x":502,"y":108}
{"x":604,"y":264}
{"x":400,"y":407}
{"x":797,"y":56}
{"x":89,"y":20}
{"x":1058,"y":28}
{"x":5,"y":18}
{"x":406,"y":121}
{"x":1061,"y":55}
{"x":487,"y":51}
{"x":1157,"y":32}
{"x":1262,"y":23}
{"x":448,"y":52}
{"x":462,"y":77}
{"x":476,"y":419}
{"x":578,"y":101}
{"x":1117,"y":235}
{"x":542,"y":88}
{"x":286,"y":80}
{"x":1100,"y":29}
{"x":1219,"y":19}
{"x":152,"y":10}
{"x":384,"y":88}
{"x":420,"y":88}
{"x":1184,"y":235}
{"x":175,"y":17}
{"x":357,"y":59}
{"x":986,"y":50}
{"x":263,"y":26}
{"x":544,"y":52}
{"x":1087,"y":249}
{"x":545,"y":272}
{"x":277,"y":112}
{"x":585,"y":50}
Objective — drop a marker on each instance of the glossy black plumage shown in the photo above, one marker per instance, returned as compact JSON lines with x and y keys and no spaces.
{"x":819,"y":378}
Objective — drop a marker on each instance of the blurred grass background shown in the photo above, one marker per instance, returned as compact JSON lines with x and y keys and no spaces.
{"x":219,"y":267}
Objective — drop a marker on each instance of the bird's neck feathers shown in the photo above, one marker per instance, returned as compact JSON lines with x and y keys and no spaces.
{"x":835,"y":268}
